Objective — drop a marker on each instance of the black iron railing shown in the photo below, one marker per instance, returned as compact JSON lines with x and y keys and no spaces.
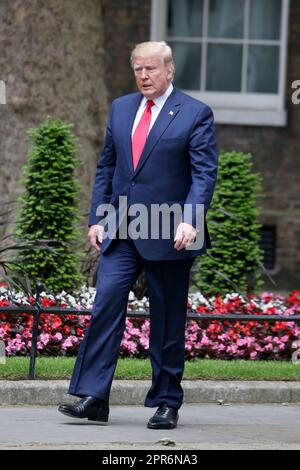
{"x":37,"y":309}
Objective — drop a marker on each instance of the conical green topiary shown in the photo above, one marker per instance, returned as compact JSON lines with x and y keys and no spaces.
{"x":49,"y":207}
{"x":234,"y":262}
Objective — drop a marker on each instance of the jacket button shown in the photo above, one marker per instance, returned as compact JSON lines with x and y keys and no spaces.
{"x":132,"y":183}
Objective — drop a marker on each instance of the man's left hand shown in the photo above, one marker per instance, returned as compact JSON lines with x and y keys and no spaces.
{"x":185,"y":236}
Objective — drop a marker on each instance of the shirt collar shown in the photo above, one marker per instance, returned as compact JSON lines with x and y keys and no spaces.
{"x":160,"y":101}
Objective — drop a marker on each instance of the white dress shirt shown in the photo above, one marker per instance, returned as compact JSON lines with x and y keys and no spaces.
{"x":155,"y":110}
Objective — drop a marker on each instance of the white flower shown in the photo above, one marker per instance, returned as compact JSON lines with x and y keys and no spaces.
{"x":131,"y":296}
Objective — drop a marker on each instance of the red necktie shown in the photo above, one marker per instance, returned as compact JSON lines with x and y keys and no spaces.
{"x":140,"y":134}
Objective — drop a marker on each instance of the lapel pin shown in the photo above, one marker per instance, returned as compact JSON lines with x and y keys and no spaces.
{"x":171,"y":113}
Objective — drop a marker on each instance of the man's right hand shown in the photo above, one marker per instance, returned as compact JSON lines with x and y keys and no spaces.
{"x":95,"y":235}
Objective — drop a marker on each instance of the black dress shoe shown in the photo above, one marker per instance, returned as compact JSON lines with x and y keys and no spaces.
{"x":164,"y":418}
{"x":87,"y":407}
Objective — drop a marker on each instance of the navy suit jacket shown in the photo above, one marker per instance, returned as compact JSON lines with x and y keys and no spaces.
{"x":178,"y":165}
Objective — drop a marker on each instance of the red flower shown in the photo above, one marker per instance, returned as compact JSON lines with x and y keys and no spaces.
{"x":218,"y":302}
{"x":48,"y":302}
{"x":271,"y":311}
{"x":56,"y":322}
{"x":201,"y":309}
{"x":294,"y":298}
{"x":279,"y":326}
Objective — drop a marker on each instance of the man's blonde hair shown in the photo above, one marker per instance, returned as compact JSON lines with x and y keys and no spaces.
{"x":148,"y":48}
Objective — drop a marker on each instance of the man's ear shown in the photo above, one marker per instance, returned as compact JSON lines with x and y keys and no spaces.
{"x":170,"y":74}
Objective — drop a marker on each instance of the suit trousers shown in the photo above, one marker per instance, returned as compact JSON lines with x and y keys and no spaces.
{"x":168,"y":283}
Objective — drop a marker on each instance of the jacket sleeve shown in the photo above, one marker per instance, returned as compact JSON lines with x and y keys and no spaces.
{"x":203,"y":154}
{"x":102,"y":189}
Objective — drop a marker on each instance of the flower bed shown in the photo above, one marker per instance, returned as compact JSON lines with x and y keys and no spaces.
{"x":62,"y":335}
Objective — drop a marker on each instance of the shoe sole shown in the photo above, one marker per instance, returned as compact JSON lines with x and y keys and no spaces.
{"x":102,"y":421}
{"x":161,"y":426}
{"x":99,"y":420}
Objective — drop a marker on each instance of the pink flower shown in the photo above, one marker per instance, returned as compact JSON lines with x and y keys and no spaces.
{"x":69,"y":342}
{"x":15,"y":345}
{"x":285,"y":338}
{"x":194,"y":328}
{"x":26,"y":334}
{"x":134,"y":332}
{"x":266,"y":296}
{"x":232,"y":349}
{"x":44,"y":338}
{"x":130,"y":346}
{"x":144,"y":341}
{"x":205,"y":341}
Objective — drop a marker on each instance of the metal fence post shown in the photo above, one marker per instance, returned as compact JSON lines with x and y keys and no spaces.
{"x":35,"y":330}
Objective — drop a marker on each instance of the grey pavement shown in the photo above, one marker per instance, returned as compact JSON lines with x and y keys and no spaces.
{"x":215,"y":415}
{"x":201,"y":426}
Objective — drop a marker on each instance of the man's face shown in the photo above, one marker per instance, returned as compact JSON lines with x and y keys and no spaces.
{"x":152,"y":76}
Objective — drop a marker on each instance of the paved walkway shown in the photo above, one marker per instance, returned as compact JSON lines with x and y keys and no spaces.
{"x":201,"y":426}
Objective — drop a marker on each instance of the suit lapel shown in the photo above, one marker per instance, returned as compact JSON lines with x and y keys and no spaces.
{"x":168,"y":112}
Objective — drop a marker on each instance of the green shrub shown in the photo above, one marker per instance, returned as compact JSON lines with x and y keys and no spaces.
{"x":49,"y":207}
{"x":234,"y":262}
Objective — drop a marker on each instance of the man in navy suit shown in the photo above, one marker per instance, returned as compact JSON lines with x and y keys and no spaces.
{"x":160,"y":150}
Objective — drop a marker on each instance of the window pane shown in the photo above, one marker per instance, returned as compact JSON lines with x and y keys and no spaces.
{"x":187,"y":58}
{"x":262,"y":73}
{"x":224,"y":67}
{"x":265,"y":19}
{"x":185,"y":17}
{"x":226,"y":18}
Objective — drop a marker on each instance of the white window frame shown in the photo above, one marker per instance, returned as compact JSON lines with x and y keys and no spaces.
{"x":257,"y":109}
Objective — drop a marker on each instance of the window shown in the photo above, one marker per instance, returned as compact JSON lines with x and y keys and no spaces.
{"x":230,"y":54}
